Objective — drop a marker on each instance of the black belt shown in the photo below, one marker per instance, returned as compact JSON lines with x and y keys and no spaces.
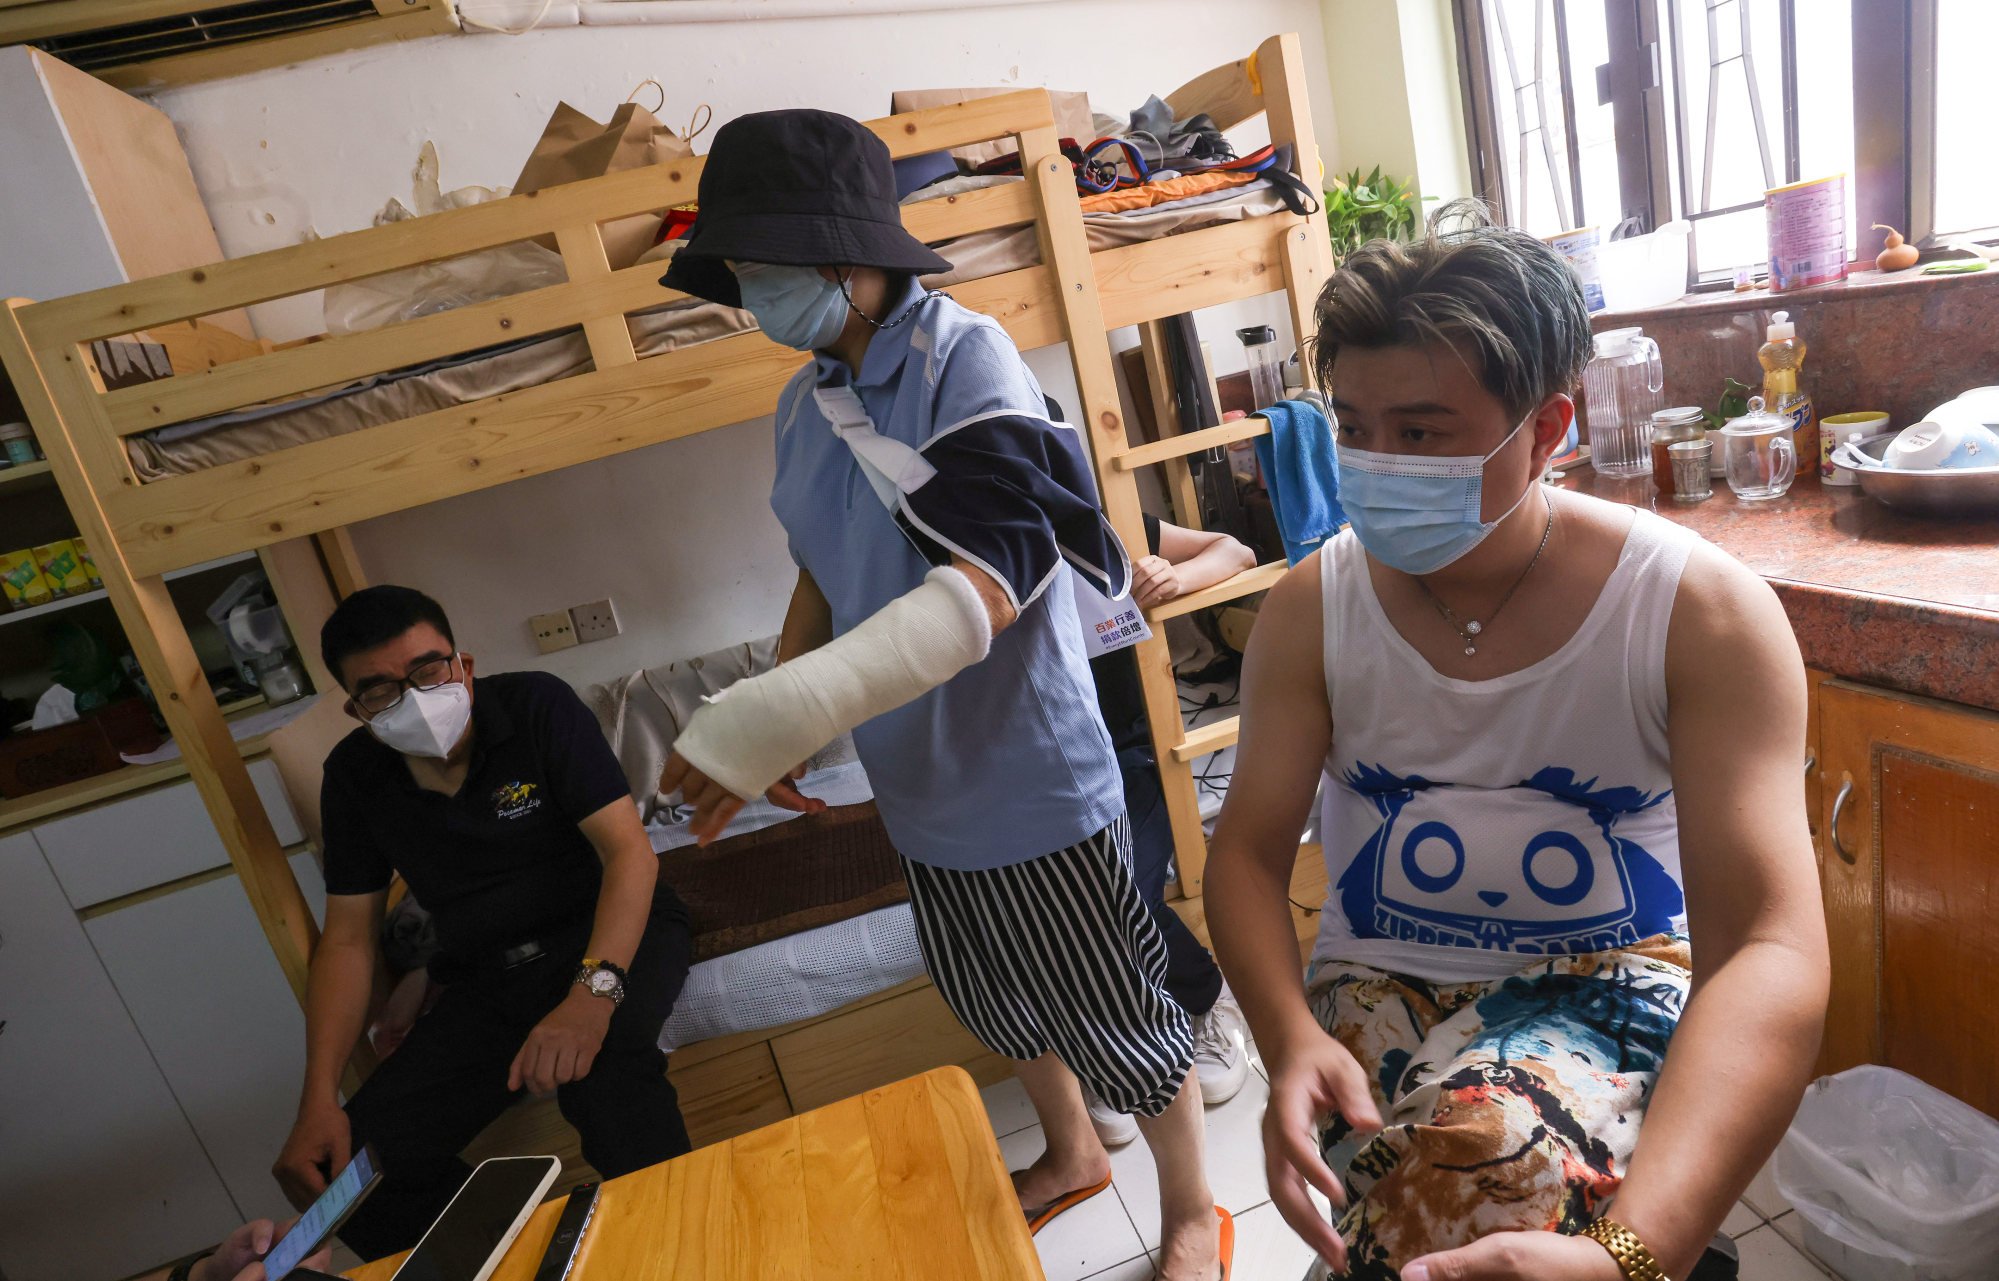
{"x":573,"y":937}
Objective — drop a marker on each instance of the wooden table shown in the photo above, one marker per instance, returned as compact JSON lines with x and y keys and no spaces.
{"x":901,"y":1182}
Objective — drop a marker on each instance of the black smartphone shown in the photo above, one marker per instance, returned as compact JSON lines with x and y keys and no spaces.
{"x":567,"y":1242}
{"x":472,"y":1235}
{"x":347,"y":1190}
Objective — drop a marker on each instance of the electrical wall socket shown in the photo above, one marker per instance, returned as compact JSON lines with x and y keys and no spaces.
{"x":595,"y":621}
{"x":552,"y":631}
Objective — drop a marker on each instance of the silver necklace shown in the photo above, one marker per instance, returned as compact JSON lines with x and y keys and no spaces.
{"x":1471,"y":629}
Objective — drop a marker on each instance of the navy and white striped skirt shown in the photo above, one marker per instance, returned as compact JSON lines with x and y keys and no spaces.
{"x":1059,"y":954}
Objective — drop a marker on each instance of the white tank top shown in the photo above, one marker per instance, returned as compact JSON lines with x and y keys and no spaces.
{"x":1472,"y":825}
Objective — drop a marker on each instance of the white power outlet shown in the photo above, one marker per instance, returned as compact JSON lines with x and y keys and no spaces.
{"x":595,"y":621}
{"x":552,"y":631}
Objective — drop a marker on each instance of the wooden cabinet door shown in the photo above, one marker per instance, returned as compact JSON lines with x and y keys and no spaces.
{"x":100,"y":1175}
{"x":200,"y":982}
{"x":1910,"y":840}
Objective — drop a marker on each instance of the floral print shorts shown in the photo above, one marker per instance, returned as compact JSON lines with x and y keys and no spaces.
{"x":1509,"y":1105}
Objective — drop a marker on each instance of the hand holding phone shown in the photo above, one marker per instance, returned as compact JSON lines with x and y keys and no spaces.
{"x":316,"y":1225}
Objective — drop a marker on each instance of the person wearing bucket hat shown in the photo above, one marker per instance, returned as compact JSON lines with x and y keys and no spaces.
{"x":946,"y":529}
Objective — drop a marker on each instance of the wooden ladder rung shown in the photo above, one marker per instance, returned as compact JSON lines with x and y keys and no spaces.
{"x":1192,"y":442}
{"x":1208,"y":738}
{"x":1260,"y":578}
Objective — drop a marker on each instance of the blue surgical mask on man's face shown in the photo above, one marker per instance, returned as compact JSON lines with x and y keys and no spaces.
{"x":795,"y":306}
{"x":1415,"y":513}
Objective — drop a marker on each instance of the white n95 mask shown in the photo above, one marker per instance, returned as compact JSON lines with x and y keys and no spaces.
{"x":427,"y":722}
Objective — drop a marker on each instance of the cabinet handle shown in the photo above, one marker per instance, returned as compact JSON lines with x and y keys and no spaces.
{"x":1832,"y":828}
{"x":1811,"y":763}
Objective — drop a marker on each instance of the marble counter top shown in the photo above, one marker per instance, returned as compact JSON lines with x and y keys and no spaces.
{"x":1904,"y":602}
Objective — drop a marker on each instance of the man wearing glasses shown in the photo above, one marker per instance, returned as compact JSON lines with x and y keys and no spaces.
{"x":560,"y":949}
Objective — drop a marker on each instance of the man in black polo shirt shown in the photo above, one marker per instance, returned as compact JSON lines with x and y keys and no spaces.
{"x":560,"y":950}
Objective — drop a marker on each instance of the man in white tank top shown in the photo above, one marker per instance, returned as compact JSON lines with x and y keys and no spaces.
{"x":1560,"y":742}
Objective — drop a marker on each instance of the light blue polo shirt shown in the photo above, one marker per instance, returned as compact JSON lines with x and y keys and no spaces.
{"x":1008,"y":760}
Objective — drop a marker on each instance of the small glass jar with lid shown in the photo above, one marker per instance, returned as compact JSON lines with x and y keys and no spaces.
{"x":1669,"y":427}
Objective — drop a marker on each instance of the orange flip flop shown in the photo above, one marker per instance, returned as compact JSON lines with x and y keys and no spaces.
{"x":1041,"y":1218}
{"x":1225,"y":1249}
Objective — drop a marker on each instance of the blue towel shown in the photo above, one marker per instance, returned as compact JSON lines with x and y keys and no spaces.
{"x":1302,"y":474}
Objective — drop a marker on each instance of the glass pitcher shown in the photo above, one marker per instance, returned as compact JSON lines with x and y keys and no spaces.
{"x":1758,"y":455}
{"x":1622,"y":386}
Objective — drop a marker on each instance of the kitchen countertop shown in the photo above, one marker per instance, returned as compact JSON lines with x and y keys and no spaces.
{"x":1905,"y":602}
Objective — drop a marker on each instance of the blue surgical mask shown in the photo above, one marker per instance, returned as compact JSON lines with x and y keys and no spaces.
{"x":1414,"y":513}
{"x":795,"y":306}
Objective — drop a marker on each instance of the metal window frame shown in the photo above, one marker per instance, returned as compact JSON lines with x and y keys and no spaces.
{"x":1894,"y":113}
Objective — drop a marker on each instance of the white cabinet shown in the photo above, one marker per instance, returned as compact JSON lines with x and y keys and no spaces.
{"x":100,"y":1175}
{"x":199,"y":979}
{"x":148,"y":839}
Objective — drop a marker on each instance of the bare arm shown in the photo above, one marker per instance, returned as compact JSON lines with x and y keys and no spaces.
{"x":1188,"y":560}
{"x":1748,"y":1038}
{"x":1287,"y":731}
{"x":562,"y":1047}
{"x":808,"y":620}
{"x":337,"y":991}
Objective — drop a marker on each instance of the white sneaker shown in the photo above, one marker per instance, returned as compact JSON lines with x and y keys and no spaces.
{"x":1114,"y":1129}
{"x":1221,"y":1051}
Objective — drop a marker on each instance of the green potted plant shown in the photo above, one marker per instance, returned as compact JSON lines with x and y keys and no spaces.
{"x":1360,"y":209}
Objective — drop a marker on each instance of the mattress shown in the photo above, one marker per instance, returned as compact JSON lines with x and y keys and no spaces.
{"x":799,"y":977}
{"x":211,"y":442}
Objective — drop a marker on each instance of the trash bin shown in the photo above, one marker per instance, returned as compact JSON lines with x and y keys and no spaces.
{"x":1895,"y":1180}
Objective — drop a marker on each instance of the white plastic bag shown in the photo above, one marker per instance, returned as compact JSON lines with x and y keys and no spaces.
{"x":1902,"y":1178}
{"x":438,"y":286}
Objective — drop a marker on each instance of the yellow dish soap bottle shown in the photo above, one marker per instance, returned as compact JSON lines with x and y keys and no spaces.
{"x":1783,"y":358}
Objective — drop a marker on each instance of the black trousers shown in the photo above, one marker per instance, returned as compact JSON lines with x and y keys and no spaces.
{"x":448,"y":1079}
{"x":1192,"y":977}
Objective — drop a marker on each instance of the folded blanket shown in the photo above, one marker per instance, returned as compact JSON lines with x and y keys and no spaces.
{"x":1302,"y":474}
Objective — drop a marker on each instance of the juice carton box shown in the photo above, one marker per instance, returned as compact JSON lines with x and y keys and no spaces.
{"x":89,"y":561}
{"x":62,"y":567}
{"x":21,"y":580}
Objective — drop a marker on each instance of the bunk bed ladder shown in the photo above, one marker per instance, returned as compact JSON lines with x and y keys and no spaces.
{"x":1273,"y":81}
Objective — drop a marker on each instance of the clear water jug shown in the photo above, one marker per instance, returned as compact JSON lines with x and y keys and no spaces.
{"x":1622,"y":386}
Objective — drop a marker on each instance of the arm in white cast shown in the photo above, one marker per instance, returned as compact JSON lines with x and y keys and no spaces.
{"x":748,"y":736}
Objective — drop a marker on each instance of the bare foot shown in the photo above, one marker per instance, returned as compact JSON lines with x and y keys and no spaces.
{"x":1049,"y":1180}
{"x":1189,"y":1249}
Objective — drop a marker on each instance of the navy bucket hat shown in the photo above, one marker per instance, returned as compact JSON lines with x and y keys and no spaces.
{"x":797,"y":188}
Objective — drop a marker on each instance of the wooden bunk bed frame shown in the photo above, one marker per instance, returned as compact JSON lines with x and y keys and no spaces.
{"x":282,"y":503}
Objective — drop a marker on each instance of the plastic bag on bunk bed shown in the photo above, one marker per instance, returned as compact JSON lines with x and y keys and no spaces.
{"x":438,"y":286}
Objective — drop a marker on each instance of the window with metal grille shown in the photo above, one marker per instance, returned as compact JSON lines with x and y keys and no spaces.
{"x":1627,"y":114}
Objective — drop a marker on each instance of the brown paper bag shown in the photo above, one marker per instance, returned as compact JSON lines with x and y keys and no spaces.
{"x":1072,"y":115}
{"x":573,"y":147}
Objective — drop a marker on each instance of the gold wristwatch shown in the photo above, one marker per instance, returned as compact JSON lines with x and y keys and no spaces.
{"x":1632,"y":1257}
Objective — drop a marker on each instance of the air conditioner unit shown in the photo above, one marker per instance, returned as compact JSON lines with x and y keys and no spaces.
{"x":137,"y":44}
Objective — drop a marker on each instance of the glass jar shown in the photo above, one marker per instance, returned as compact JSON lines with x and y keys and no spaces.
{"x":1621,"y":388}
{"x":1669,"y":427}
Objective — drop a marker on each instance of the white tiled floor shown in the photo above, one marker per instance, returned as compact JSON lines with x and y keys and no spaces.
{"x":1110,"y":1237}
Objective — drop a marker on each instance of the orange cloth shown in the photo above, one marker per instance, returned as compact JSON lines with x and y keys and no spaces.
{"x":1149,"y":194}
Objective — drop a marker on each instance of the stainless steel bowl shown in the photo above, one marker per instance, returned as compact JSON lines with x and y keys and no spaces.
{"x":1963,"y":491}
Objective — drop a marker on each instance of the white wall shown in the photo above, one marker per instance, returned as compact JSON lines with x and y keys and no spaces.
{"x":1394,"y":74}
{"x":680,"y":535}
